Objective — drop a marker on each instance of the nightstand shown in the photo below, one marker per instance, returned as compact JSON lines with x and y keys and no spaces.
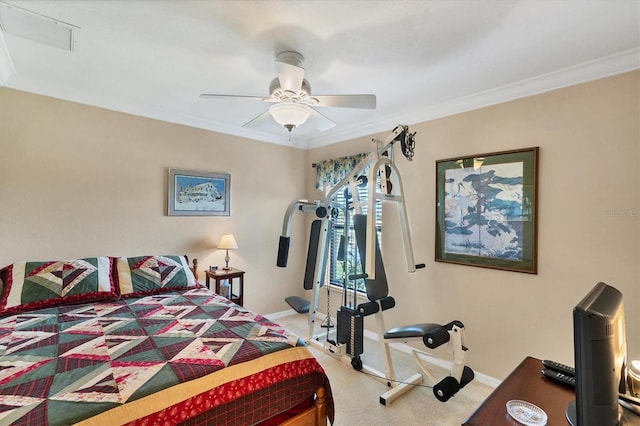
{"x":236,"y":292}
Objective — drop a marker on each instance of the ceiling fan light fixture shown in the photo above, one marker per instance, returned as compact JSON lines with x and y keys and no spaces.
{"x":289,"y":115}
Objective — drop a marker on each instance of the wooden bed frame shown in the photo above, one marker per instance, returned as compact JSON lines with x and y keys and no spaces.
{"x":316,"y":415}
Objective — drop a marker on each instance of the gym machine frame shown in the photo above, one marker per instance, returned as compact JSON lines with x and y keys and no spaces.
{"x":432,"y":335}
{"x":325,"y":210}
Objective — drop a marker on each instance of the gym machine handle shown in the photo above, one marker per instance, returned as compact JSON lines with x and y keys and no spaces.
{"x":358,"y":276}
{"x":283,"y":251}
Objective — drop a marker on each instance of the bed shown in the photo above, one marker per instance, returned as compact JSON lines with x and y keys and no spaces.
{"x":137,"y":341}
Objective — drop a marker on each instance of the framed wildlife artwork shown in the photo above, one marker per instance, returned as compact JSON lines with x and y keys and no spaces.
{"x":486,"y":210}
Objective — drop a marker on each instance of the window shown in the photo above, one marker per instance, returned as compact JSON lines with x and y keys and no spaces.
{"x":353,"y":264}
{"x":328,"y":174}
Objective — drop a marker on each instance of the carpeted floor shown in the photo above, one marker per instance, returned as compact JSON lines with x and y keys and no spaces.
{"x":357,"y":395}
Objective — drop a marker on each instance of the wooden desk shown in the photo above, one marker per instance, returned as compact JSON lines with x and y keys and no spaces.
{"x":527,"y":384}
{"x":236,"y":295}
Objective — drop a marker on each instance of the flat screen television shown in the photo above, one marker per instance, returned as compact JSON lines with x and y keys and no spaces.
{"x":600,"y":358}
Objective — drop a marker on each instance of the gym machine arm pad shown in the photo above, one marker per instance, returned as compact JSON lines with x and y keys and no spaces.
{"x":285,"y":239}
{"x":283,"y":251}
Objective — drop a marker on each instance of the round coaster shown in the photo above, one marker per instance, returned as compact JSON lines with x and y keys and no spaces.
{"x":526,"y":413}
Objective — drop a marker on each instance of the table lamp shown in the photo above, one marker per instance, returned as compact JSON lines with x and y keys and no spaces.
{"x":227,"y":242}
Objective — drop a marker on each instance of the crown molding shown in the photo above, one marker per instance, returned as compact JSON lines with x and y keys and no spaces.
{"x":607,"y":66}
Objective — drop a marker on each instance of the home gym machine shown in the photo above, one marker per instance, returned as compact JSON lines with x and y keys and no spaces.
{"x":350,"y":317}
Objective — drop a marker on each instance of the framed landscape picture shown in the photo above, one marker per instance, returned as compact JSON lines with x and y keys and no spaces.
{"x":193,"y":193}
{"x":486,"y":210}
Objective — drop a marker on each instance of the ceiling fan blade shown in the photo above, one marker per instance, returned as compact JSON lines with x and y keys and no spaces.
{"x":290,"y":76}
{"x":321,"y":122}
{"x":256,"y":98}
{"x":258,"y":121}
{"x":346,"y":101}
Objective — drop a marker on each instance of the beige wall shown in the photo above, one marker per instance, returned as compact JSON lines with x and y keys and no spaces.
{"x":589,"y":211}
{"x":80,"y":181}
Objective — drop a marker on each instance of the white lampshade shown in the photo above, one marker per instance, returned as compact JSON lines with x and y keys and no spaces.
{"x":289,"y":115}
{"x":227,"y":242}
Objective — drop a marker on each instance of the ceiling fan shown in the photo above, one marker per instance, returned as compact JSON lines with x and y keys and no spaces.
{"x":291,"y":96}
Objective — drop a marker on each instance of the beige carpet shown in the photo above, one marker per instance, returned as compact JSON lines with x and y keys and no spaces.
{"x":357,"y":395}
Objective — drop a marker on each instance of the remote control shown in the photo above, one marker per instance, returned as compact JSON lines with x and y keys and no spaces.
{"x":560,"y":368}
{"x":560,"y":377}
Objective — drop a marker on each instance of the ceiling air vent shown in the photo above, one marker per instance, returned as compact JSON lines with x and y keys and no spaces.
{"x":34,"y":26}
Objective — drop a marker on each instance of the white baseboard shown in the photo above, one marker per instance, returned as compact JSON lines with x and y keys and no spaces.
{"x":402,"y":347}
{"x":281,"y":314}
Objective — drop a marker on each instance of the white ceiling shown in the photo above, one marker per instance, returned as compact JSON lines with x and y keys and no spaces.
{"x":423,"y":59}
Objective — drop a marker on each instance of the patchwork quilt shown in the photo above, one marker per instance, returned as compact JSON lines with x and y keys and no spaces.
{"x":68,"y":363}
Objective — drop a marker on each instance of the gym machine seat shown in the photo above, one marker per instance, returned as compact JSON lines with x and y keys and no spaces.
{"x":433,"y":335}
{"x":298,"y":304}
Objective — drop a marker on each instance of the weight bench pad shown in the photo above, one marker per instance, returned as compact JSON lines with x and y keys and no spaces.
{"x":415,"y":330}
{"x":298,"y":304}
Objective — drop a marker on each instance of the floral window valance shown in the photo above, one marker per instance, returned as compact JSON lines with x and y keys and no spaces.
{"x":330,"y":172}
